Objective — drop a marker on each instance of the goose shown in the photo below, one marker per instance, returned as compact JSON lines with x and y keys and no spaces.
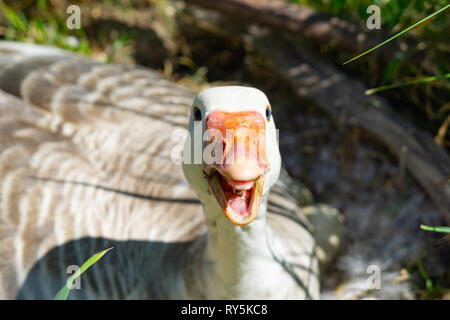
{"x":97,"y":155}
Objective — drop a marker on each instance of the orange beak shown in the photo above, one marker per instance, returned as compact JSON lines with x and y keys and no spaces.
{"x":235,"y":162}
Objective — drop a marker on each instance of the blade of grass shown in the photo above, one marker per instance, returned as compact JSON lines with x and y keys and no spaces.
{"x":435,"y":228}
{"x":423,"y":273}
{"x":398,"y":85}
{"x":64,"y":292}
{"x":17,"y":20}
{"x":399,"y":34}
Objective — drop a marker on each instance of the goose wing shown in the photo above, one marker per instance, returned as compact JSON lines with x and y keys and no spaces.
{"x":85,"y":164}
{"x":85,"y":153}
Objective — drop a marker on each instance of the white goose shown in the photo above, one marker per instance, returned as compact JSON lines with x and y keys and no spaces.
{"x":85,"y":164}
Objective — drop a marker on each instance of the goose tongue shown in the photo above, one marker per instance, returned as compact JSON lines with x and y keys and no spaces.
{"x":239,"y":206}
{"x":238,"y":194}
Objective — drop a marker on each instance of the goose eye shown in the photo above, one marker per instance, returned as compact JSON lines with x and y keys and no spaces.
{"x":197,"y":114}
{"x":268,"y":113}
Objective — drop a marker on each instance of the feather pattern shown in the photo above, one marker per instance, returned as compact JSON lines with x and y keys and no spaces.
{"x":85,"y":164}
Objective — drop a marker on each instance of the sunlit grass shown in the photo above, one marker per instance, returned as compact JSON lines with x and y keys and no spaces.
{"x":420,"y":52}
{"x":398,"y":34}
{"x":435,"y":228}
{"x":48,"y":30}
{"x":63,"y":293}
{"x":408,"y":83}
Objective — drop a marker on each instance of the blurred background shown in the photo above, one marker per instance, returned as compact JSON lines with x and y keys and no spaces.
{"x":345,"y":154}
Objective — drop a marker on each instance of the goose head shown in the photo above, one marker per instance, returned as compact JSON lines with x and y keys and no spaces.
{"x":231,"y":156}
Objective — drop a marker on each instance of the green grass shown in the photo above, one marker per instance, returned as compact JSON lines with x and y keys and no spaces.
{"x":44,"y":28}
{"x":433,"y":288}
{"x":423,"y":53}
{"x":418,"y":81}
{"x":399,"y":34}
{"x":408,"y":83}
{"x":435,"y":228}
{"x":63,"y":293}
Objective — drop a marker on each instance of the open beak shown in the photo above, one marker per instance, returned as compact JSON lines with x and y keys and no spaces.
{"x":235,"y":176}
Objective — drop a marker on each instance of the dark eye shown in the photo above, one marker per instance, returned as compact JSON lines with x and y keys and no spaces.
{"x":197,"y":114}
{"x":268,"y":113}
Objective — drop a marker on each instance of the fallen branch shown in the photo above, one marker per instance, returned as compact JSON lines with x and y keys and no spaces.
{"x":317,"y":27}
